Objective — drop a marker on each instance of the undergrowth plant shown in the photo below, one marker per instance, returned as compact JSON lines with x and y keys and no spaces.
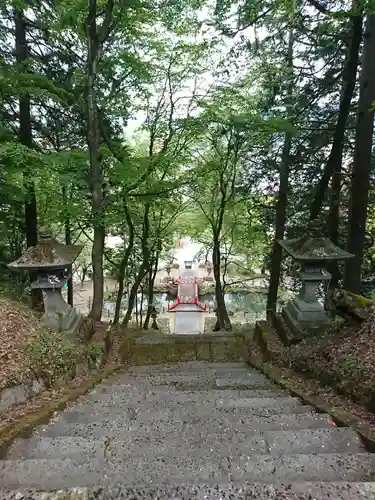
{"x":54,"y":355}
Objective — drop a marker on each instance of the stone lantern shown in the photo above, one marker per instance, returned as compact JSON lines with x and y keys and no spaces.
{"x":168,"y":268}
{"x":51,"y":261}
{"x":209,"y":268}
{"x":304,"y":313}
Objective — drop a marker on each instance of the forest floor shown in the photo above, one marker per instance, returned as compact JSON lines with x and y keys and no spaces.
{"x":17,"y":326}
{"x":342,"y":360}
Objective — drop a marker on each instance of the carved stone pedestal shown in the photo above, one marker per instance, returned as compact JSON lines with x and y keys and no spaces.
{"x":304,"y":313}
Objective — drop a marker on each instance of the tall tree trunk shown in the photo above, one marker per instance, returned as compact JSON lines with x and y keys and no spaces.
{"x":123,"y":265}
{"x":362,"y":161}
{"x":333,"y":165}
{"x":96,"y":175}
{"x":150,"y":296}
{"x":68,"y":241}
{"x":349,"y":80}
{"x":282,"y":198}
{"x":25,"y":137}
{"x":223,"y":321}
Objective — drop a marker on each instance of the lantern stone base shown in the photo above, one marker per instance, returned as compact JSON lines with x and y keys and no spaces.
{"x":58,"y":314}
{"x":305,"y":317}
{"x":68,"y":322}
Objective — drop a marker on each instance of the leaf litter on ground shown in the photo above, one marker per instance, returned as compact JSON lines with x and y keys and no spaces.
{"x":344,"y":354}
{"x":17,"y":326}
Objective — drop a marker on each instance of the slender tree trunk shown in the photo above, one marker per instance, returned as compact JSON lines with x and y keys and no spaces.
{"x":221,"y":309}
{"x":25,"y":137}
{"x":141,"y":306}
{"x":150,"y":293}
{"x":333,"y":165}
{"x":121,"y":282}
{"x":362,"y":161}
{"x":136,"y":309}
{"x":151,"y":284}
{"x":124,"y":264}
{"x":143,"y":267}
{"x":96,"y":175}
{"x":282,"y":199}
{"x":133,"y":292}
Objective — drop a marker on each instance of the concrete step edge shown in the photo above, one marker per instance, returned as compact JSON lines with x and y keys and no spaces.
{"x":294,"y":491}
{"x":337,"y":440}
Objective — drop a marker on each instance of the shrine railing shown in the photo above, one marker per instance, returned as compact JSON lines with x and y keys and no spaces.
{"x":187,"y":298}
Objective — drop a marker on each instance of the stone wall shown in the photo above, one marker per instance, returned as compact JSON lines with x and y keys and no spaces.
{"x":153,"y":349}
{"x":19,"y":393}
{"x":164,"y":325}
{"x":209,"y":323}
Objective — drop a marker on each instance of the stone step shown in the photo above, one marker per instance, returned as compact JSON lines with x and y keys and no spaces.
{"x":187,"y":397}
{"x":306,"y":441}
{"x":204,"y":373}
{"x":198,"y":383}
{"x":304,"y":467}
{"x":294,"y":491}
{"x":44,"y":474}
{"x":219,"y":399}
{"x":210,"y":422}
{"x":174,"y":372}
{"x":222,"y":442}
{"x":191,"y":366}
{"x":178,"y":375}
{"x":163,"y":395}
{"x":219,"y":378}
{"x":182,"y":411}
{"x":254,"y":403}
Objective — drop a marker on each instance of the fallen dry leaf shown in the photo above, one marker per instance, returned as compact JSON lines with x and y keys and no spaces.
{"x":17,"y":326}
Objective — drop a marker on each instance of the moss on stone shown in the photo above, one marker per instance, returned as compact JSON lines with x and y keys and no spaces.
{"x":184,"y":348}
{"x":261,"y":334}
{"x":204,"y":352}
{"x":188,"y":352}
{"x":356,"y":305}
{"x":173,"y":354}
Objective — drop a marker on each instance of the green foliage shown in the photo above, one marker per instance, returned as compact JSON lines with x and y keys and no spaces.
{"x":96,"y":354}
{"x":207,"y":86}
{"x":53,"y":356}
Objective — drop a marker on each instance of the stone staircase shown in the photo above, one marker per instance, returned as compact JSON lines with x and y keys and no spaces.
{"x":194,"y":430}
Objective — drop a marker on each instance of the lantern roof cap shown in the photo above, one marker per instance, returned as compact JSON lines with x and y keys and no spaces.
{"x":309,"y":248}
{"x":47,"y":254}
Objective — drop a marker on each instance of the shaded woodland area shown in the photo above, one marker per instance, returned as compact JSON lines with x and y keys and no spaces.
{"x":248,"y":120}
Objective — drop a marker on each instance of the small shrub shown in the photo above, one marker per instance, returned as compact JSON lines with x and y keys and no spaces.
{"x":96,"y":354}
{"x":86,"y":330}
{"x":52,"y":356}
